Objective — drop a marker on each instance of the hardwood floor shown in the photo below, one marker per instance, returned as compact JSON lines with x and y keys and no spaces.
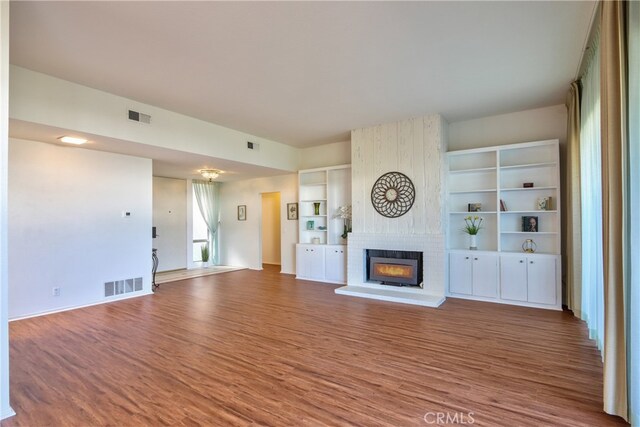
{"x":260,"y":347}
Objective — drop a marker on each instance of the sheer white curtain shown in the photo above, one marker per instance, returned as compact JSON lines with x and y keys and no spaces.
{"x":208,"y":198}
{"x":633,"y":210}
{"x":591,"y":193}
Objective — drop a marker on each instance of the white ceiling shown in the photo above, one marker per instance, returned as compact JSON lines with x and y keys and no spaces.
{"x":305,"y":73}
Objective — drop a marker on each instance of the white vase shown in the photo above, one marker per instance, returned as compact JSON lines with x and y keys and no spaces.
{"x":473,"y":244}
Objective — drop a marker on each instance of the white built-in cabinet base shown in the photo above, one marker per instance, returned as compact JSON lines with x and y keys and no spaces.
{"x":526,"y":279}
{"x":321,"y":263}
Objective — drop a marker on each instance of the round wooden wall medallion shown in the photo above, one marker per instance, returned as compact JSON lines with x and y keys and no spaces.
{"x":393,"y":194}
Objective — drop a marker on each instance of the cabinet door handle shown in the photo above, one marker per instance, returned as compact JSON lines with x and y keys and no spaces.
{"x":530,"y":262}
{"x":521,"y":261}
{"x":475,"y":259}
{"x":466,"y":257}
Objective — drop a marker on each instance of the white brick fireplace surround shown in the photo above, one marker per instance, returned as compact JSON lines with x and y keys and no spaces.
{"x":432,"y":248}
{"x":415,"y":147}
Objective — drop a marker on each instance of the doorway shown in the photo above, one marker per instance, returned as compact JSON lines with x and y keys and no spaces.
{"x":271,"y":245}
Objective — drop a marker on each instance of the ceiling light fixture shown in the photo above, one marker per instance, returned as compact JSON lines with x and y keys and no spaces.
{"x":210,"y":174}
{"x":72,"y":140}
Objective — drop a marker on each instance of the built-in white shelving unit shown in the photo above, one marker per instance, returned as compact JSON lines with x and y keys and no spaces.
{"x":321,"y":251}
{"x":491,"y":175}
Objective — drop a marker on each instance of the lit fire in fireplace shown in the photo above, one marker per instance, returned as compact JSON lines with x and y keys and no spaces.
{"x":393,"y":270}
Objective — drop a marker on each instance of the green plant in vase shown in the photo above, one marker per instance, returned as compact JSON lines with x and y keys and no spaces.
{"x":472,"y":226}
{"x":204,"y":252}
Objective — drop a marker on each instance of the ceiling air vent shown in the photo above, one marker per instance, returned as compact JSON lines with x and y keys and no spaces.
{"x":253,"y":145}
{"x":139,"y":117}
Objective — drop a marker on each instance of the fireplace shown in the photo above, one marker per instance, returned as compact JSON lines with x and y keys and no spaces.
{"x":395,"y":268}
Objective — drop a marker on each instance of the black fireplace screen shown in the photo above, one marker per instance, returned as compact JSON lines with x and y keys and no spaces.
{"x":396,"y":268}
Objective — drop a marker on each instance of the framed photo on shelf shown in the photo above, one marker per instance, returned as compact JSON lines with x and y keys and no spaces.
{"x":292,"y":211}
{"x":242,"y":212}
{"x":474,"y":207}
{"x":530,"y":224}
{"x":544,"y":203}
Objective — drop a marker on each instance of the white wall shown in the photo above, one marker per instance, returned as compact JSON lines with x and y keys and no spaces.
{"x":240,"y":240}
{"x":170,"y":218}
{"x":337,"y":153}
{"x":415,"y":147}
{"x":66,"y":227}
{"x":523,"y":126}
{"x":39,"y":98}
{"x":271,"y":250}
{"x":5,"y":409}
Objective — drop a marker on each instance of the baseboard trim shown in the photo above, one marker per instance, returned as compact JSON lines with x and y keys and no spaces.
{"x":75,"y":307}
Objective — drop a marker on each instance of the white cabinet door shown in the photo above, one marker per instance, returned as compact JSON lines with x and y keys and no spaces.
{"x":460,"y":273}
{"x":485,"y":275}
{"x":310,"y":262}
{"x":315,"y":257}
{"x":541,"y":275}
{"x":513,"y":277}
{"x":302,"y":261}
{"x":335,"y":264}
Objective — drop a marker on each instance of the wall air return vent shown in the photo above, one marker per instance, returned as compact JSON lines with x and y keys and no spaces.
{"x":119,"y":287}
{"x":253,"y":145}
{"x":139,"y":117}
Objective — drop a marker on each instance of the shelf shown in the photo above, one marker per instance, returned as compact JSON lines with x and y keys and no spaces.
{"x":528,"y":253}
{"x":315,"y":184}
{"x":315,"y":230}
{"x":473,"y":191}
{"x":313,"y":200}
{"x":312,"y":216}
{"x":530,"y":232}
{"x":471,"y":213}
{"x":460,"y":171}
{"x":528,"y":189}
{"x":529,"y":212}
{"x":529,"y":165}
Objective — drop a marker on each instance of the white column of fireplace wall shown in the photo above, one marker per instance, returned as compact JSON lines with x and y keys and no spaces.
{"x":415,"y":147}
{"x":432,"y":247}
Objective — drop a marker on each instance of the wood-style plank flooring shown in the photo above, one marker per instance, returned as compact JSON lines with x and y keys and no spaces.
{"x":261,"y":348}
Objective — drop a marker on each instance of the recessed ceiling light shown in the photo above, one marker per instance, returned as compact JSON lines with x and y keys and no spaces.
{"x":72,"y":140}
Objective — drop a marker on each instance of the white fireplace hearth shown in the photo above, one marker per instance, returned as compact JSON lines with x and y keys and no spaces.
{"x":432,"y":246}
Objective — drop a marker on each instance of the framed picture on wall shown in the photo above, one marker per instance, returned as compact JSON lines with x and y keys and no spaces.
{"x":242,"y":212}
{"x":292,"y":211}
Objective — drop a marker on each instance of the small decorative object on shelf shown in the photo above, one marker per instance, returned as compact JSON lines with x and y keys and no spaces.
{"x":473,"y":225}
{"x":527,"y":184}
{"x":344,"y":212}
{"x":529,"y":246}
{"x":310,"y":225}
{"x":315,"y":240}
{"x":503,"y":206}
{"x":316,"y":208}
{"x":530,"y":224}
{"x":544,"y":203}
{"x":474,"y":207}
